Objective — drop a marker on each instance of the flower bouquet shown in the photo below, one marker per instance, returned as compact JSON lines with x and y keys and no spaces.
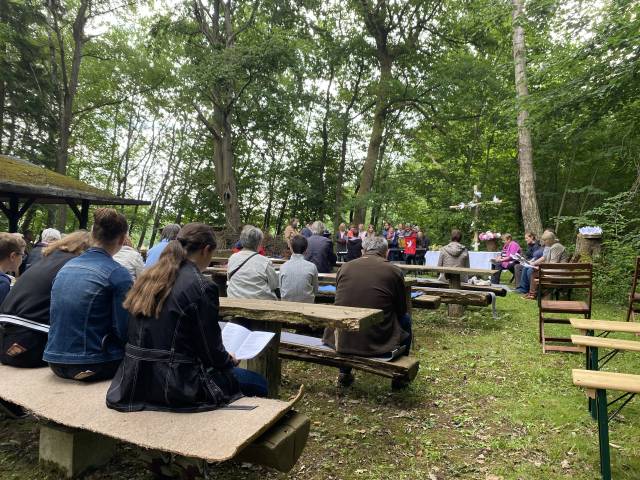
{"x":490,"y":238}
{"x":590,"y":232}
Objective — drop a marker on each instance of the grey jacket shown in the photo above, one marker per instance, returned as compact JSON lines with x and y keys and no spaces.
{"x":454,"y":255}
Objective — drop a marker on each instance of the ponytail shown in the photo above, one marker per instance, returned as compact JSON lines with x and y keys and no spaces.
{"x":148,"y":294}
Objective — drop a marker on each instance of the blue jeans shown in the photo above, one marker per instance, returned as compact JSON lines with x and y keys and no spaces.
{"x":525,"y":280}
{"x":252,"y":384}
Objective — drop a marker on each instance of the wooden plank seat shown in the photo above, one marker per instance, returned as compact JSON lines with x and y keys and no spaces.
{"x":565,"y":276}
{"x":589,"y":326}
{"x":605,"y":342}
{"x":461,"y":297}
{"x":428,"y":302}
{"x":76,"y":416}
{"x":596,"y":384}
{"x":310,"y":349}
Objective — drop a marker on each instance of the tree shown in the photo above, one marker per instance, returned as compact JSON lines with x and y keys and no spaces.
{"x":528,"y":200}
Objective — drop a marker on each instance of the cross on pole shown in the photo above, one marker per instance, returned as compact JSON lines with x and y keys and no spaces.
{"x":475,"y":205}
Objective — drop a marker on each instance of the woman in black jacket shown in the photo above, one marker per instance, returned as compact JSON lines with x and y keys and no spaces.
{"x":30,"y":298}
{"x":174,"y":359}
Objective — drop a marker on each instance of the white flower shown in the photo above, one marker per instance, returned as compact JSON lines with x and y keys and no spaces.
{"x":496,"y":200}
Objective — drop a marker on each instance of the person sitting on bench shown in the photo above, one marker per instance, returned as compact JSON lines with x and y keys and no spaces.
{"x":11,"y":254}
{"x":298,"y":277}
{"x":505,"y":260}
{"x":88,"y":323}
{"x":250,"y":275}
{"x":30,"y":298}
{"x":554,"y":252}
{"x":454,"y":254}
{"x":371,"y":282}
{"x":175,"y":359}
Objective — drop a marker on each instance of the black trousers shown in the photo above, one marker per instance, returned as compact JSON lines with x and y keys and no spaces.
{"x":22,"y":349}
{"x":93,"y":372}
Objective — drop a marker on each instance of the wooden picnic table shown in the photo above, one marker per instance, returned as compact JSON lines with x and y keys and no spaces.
{"x":272,"y":315}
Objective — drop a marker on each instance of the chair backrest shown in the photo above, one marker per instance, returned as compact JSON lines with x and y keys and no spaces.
{"x":566,"y":275}
{"x":636,"y":277}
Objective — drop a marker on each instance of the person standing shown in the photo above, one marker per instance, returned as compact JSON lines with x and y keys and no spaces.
{"x":410,"y":246}
{"x":170,"y":232}
{"x":341,"y":241}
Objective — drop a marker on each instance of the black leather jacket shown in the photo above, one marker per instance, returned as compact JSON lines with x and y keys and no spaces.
{"x":170,"y":362}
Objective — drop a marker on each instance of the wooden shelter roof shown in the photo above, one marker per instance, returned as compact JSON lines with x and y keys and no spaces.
{"x":27,"y":180}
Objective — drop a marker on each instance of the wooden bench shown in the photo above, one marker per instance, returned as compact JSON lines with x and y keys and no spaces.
{"x":309,"y":349}
{"x":451,"y":296}
{"x":78,"y":431}
{"x":596,"y":384}
{"x":495,"y":289}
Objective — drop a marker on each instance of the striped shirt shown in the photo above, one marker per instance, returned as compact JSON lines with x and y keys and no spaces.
{"x":298,"y":280}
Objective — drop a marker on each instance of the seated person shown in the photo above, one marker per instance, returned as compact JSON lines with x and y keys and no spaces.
{"x":88,"y":322}
{"x":130,"y":259}
{"x":505,"y":260}
{"x":454,"y":254}
{"x":174,"y":316}
{"x":47,"y":236}
{"x":11,"y":254}
{"x":354,"y":245}
{"x":553,"y":252}
{"x":384,"y":289}
{"x":30,"y":298}
{"x":250,"y":275}
{"x":320,"y":249}
{"x":530,"y":254}
{"x":170,"y":232}
{"x":298,"y":277}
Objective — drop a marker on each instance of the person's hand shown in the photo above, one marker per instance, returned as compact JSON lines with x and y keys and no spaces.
{"x":234,"y":360}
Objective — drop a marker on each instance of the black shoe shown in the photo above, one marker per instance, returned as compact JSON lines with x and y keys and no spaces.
{"x":345,"y":379}
{"x":11,"y":410}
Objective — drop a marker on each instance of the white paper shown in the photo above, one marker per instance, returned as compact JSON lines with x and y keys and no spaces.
{"x":242,"y":342}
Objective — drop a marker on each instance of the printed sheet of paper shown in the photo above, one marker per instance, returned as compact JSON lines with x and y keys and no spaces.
{"x":242,"y":342}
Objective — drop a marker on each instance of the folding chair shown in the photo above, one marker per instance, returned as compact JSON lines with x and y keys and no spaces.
{"x":634,"y":296}
{"x":554,"y":277}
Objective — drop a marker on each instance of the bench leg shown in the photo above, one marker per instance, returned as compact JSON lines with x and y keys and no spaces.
{"x":603,"y":435}
{"x":455,"y":310}
{"x":74,"y":451}
{"x":592,"y":364}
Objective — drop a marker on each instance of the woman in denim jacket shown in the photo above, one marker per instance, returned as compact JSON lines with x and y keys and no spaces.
{"x":88,"y":322}
{"x":175,"y":359}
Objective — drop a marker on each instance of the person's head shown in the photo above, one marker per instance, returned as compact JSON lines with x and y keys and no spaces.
{"x":507,"y":238}
{"x":353,"y":228}
{"x":317,"y":228}
{"x":299,"y":244}
{"x":400,"y":226}
{"x":530,"y":238}
{"x":456,"y":235}
{"x":361,"y":227}
{"x":127,"y":241}
{"x":390,"y":229}
{"x":370,"y":229}
{"x":342,"y":227}
{"x":374,"y":245}
{"x":75,"y":243}
{"x":170,"y":232}
{"x":109,"y":229}
{"x":548,"y":238}
{"x":27,"y":235}
{"x":196,"y":243}
{"x":11,"y":251}
{"x":50,"y":235}
{"x":420,"y":234}
{"x":251,"y":238}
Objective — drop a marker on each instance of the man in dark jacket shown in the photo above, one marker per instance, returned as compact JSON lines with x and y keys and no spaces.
{"x":371,"y":282}
{"x":320,"y":249}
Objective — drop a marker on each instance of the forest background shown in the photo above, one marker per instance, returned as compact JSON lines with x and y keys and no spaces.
{"x":232,"y":112}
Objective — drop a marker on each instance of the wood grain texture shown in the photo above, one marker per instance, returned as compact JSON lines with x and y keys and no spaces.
{"x":604,"y":325}
{"x":598,"y":380}
{"x":293,"y":313}
{"x":604,"y":342}
{"x":458,"y":297}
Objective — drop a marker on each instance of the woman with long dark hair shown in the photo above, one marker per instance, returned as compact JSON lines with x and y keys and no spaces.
{"x":174,"y":358}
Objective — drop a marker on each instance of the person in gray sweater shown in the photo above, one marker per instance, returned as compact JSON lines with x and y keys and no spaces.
{"x":454,"y":254}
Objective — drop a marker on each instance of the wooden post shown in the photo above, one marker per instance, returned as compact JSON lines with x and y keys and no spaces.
{"x":455,"y":310}
{"x":14,"y":215}
{"x":267,"y":363}
{"x":84,"y":215}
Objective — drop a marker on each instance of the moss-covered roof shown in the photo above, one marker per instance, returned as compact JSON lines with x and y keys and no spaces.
{"x":28,"y":180}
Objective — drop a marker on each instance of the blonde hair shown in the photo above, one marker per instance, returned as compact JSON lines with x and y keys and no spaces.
{"x":76,"y":243}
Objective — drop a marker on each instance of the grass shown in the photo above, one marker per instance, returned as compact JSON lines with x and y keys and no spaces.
{"x":487,"y":404}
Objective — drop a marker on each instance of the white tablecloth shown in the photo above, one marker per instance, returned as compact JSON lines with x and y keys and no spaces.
{"x":476,"y":259}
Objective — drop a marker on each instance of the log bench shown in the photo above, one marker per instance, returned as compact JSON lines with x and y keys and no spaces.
{"x":310,"y":349}
{"x":78,"y":432}
{"x":433,"y":282}
{"x":452,"y":296}
{"x":596,"y":385}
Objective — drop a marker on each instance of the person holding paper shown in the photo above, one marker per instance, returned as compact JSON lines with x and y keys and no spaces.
{"x":175,"y":359}
{"x":298,"y":277}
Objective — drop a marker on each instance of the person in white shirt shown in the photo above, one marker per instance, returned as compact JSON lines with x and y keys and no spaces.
{"x":130,"y":259}
{"x":298,"y":277}
{"x":250,"y":275}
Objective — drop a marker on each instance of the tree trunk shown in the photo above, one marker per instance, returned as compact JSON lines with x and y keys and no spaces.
{"x":223,"y":161}
{"x":528,"y":200}
{"x":377,"y":131}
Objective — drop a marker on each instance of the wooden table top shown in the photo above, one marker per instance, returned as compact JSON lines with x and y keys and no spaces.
{"x":605,"y":325}
{"x":331,"y":277}
{"x":604,"y":342}
{"x":294,"y":313}
{"x":275,"y":261}
{"x":594,"y":379}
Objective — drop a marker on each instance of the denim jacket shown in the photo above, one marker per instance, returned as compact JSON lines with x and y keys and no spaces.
{"x":88,"y":321}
